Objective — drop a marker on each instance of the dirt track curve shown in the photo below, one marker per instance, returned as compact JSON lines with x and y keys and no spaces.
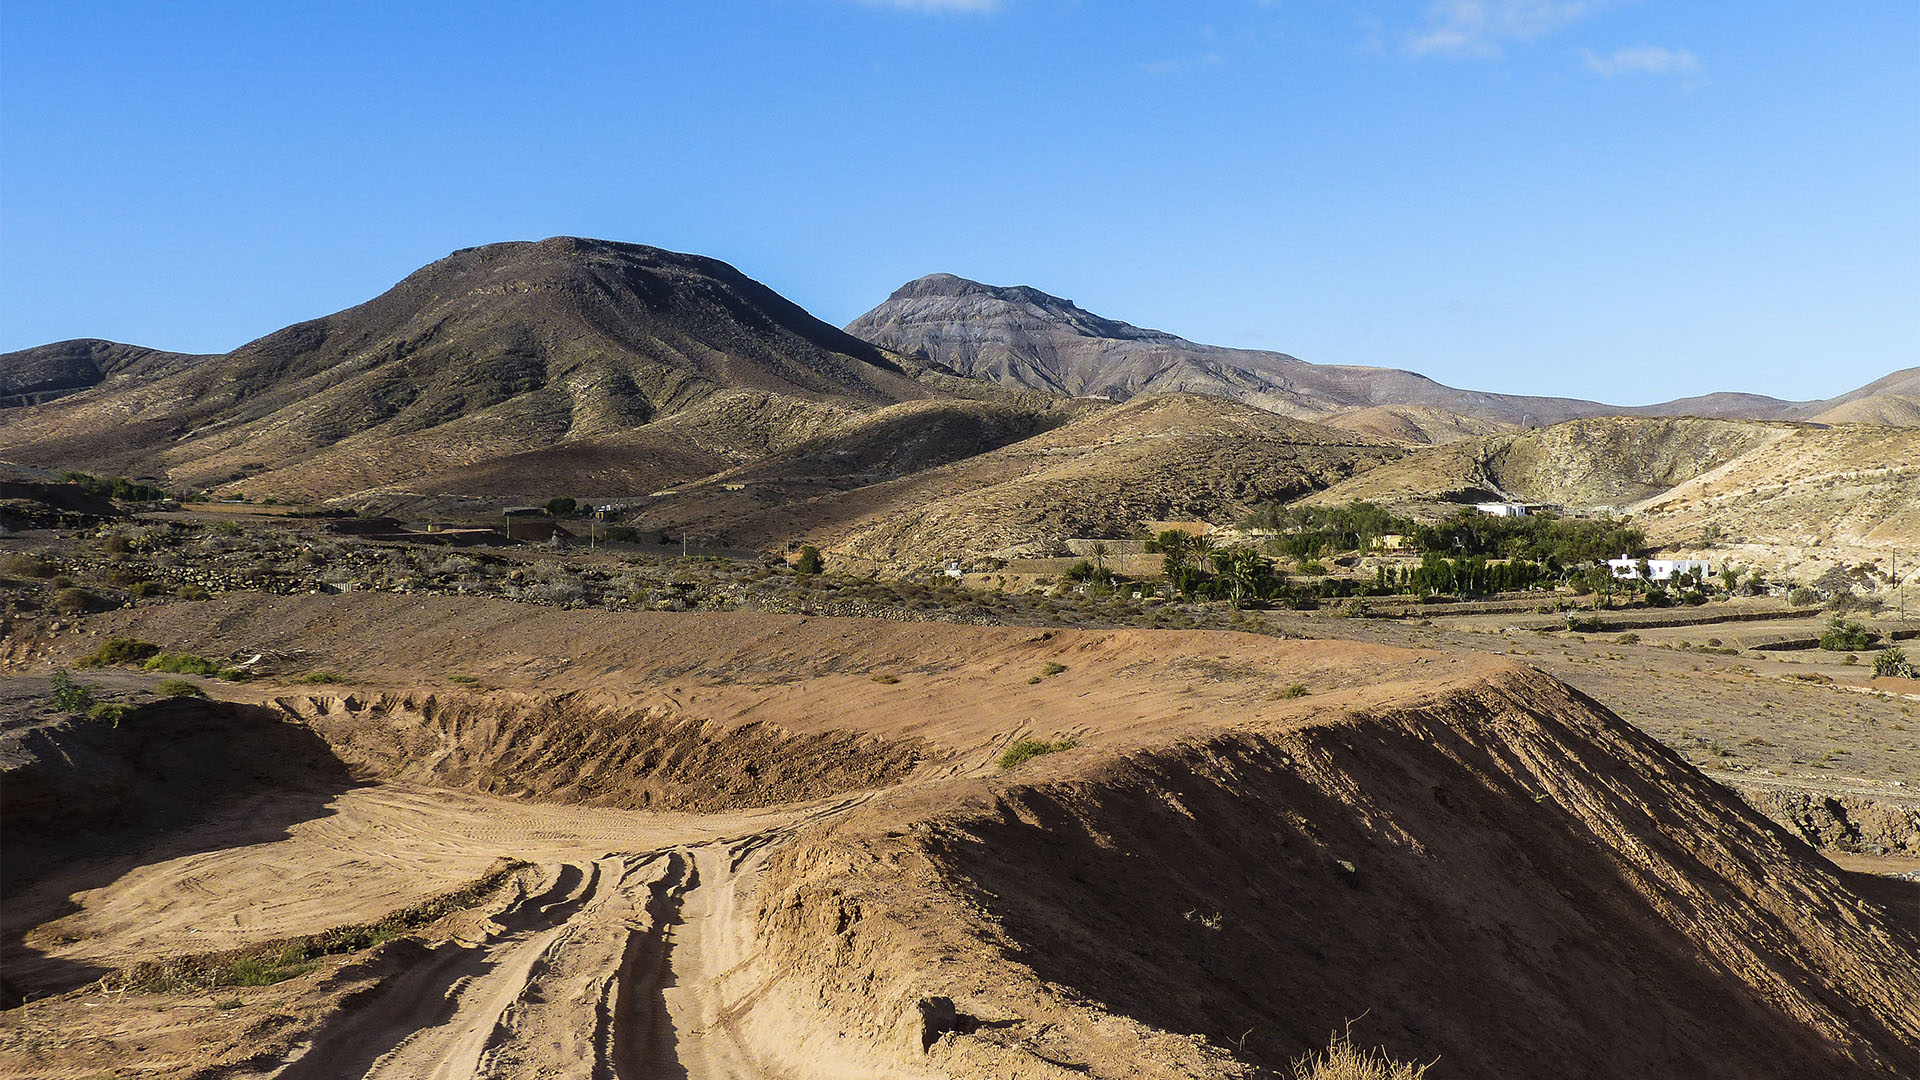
{"x":623,"y":966}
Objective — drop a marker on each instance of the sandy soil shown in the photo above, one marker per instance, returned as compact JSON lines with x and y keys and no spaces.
{"x":1216,"y":873}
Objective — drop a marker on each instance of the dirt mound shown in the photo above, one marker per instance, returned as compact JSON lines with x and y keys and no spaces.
{"x":1502,"y":875}
{"x":563,"y":748}
{"x":1206,"y":874}
{"x":78,"y":786}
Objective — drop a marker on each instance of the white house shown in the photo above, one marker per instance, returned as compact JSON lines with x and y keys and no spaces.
{"x":1502,"y":509}
{"x":1658,"y":569}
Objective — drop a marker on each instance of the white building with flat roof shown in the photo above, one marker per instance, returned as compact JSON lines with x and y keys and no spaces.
{"x":1658,"y":569}
{"x":1502,"y":509}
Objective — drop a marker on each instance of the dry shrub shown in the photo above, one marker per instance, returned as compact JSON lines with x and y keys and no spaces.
{"x":1343,"y":1061}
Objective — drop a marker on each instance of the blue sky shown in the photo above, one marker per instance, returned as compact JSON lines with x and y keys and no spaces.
{"x":1627,"y":200}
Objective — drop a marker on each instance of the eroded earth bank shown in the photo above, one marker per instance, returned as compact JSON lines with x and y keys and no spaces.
{"x":515,"y":841}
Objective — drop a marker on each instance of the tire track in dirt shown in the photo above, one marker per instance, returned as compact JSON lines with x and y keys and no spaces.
{"x":627,"y":966}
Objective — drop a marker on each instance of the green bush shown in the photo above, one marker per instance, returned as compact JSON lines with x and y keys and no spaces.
{"x":1022,"y":749}
{"x":1297,"y":690}
{"x":181,"y":688}
{"x":561,"y":506}
{"x":1844,"y":636}
{"x":28,"y":564}
{"x":1803,"y":596}
{"x":181,"y":664}
{"x":1893,"y":663}
{"x":324,"y":677}
{"x":1053,"y":668}
{"x":119,"y":650}
{"x":72,"y":601}
{"x":69,"y":695}
{"x":109,"y":713}
{"x":809,"y":561}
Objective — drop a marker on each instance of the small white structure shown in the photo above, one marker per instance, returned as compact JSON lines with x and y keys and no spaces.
{"x":1502,"y":509}
{"x":1658,"y":569}
{"x":953,"y":568}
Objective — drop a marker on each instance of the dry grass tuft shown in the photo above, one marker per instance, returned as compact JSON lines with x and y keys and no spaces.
{"x":1341,"y":1060}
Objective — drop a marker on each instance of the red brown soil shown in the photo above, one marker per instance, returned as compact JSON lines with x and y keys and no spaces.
{"x":1490,"y":867}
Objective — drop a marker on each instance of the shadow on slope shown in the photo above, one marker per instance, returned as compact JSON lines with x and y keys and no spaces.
{"x":1513,"y":880}
{"x":86,"y":802}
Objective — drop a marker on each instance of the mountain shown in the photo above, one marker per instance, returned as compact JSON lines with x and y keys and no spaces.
{"x":1095,"y":474}
{"x":1886,"y":410}
{"x":41,"y":374}
{"x":1021,"y":336}
{"x":572,"y":350}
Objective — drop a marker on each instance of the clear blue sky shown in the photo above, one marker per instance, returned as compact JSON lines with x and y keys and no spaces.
{"x":1622,"y":200}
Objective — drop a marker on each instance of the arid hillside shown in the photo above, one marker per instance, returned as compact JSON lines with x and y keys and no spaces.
{"x":33,"y":376}
{"x":1887,"y":410}
{"x":737,"y":845}
{"x":1413,"y":425}
{"x":1169,"y":457}
{"x":1798,"y":505}
{"x":1609,"y":461}
{"x":566,"y":348}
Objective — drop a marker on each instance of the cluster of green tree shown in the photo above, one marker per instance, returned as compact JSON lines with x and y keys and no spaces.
{"x":1471,"y":576}
{"x":1202,"y":572}
{"x":1553,"y":541}
{"x":118,"y":487}
{"x":1306,"y":531}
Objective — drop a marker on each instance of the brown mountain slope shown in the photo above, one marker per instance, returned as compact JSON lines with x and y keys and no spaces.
{"x":492,"y":351}
{"x":1173,"y":456}
{"x":33,"y":376}
{"x":1020,"y":336}
{"x":1796,"y":505}
{"x":1413,"y":425}
{"x":1609,"y":461}
{"x":1885,"y":409}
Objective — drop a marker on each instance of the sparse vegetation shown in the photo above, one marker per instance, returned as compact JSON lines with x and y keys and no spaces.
{"x":809,"y":561}
{"x":1297,"y":690}
{"x":464,"y":680}
{"x":119,"y":650}
{"x":1893,"y":663}
{"x":277,"y":961}
{"x":1052,"y":668}
{"x":1025,"y":749}
{"x":109,"y":713}
{"x":1341,"y":1060}
{"x":1842,"y":635}
{"x":181,"y":664}
{"x":70,"y":695}
{"x":180,"y":688}
{"x":885,"y":679}
{"x":74,"y":601}
{"x":320,"y":678}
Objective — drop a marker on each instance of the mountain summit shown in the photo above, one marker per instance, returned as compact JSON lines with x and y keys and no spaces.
{"x":495,"y":350}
